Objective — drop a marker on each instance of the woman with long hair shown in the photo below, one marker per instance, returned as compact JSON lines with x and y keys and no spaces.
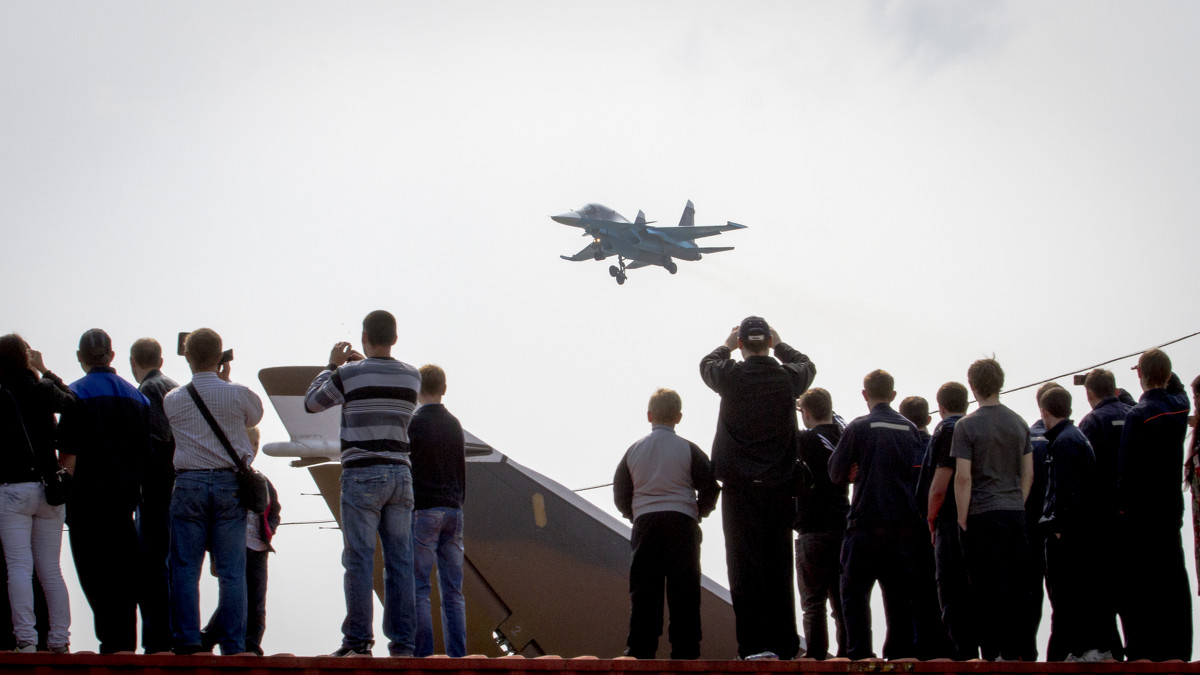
{"x":30,"y":528}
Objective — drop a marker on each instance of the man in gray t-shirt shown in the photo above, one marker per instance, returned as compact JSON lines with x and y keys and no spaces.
{"x":993,"y":475}
{"x":994,"y":440}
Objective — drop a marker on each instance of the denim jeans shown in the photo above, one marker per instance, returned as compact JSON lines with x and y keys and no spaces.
{"x":31,"y":533}
{"x":206,"y":515}
{"x":378,"y":500}
{"x":438,"y":536}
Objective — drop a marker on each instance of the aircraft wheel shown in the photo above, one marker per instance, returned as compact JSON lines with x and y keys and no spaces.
{"x":620,"y":279}
{"x":672,"y":267}
{"x":613,"y":270}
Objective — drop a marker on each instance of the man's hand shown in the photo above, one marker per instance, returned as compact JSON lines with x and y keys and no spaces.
{"x":731,"y":342}
{"x":340,"y":354}
{"x":853,"y":473}
{"x":35,"y":361}
{"x":932,"y":531}
{"x":224,"y":370}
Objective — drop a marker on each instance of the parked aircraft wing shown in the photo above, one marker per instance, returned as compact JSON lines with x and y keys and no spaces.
{"x":696,"y":231}
{"x":545,"y":570}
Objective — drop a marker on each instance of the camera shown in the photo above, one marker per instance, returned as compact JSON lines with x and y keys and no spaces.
{"x":226,"y":356}
{"x":1080,"y":378}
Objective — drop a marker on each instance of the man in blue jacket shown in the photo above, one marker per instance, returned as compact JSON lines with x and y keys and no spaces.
{"x":1103,"y":426}
{"x":878,"y":448}
{"x":1156,"y":606}
{"x":1069,"y":524}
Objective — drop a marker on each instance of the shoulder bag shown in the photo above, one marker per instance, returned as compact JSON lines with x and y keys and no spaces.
{"x":252,"y":485}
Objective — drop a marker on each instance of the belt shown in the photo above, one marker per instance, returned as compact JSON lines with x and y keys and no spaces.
{"x":179,"y":471}
{"x":372,"y":461}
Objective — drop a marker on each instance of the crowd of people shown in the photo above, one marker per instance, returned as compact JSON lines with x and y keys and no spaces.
{"x":961,"y":528}
{"x":164,"y":472}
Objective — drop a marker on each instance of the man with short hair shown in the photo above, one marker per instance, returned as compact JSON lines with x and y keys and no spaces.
{"x":1069,"y":525}
{"x":754,"y":456}
{"x":206,"y":513}
{"x":439,"y":488}
{"x":104,"y":441}
{"x":883,"y":518}
{"x":1103,"y":426}
{"x":942,"y":517}
{"x":378,"y":395}
{"x":993,"y":475}
{"x":1034,"y":578}
{"x":154,"y":499}
{"x":664,"y":484}
{"x":1156,"y":607}
{"x":820,"y":525}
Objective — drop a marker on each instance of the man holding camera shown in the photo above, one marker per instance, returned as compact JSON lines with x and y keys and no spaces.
{"x":378,"y":395}
{"x":205,"y":509}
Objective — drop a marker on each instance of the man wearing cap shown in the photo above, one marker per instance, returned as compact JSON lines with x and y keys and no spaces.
{"x":754,"y":455}
{"x":1155,"y":598}
{"x":104,"y":440}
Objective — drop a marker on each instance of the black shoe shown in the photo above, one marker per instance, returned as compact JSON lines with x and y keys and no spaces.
{"x":186,"y":650}
{"x":358,"y":650}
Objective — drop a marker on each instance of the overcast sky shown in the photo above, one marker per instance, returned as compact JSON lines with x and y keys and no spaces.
{"x":924,"y":183}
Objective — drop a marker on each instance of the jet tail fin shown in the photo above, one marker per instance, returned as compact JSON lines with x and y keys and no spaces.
{"x":641,"y":218}
{"x":688,"y":219}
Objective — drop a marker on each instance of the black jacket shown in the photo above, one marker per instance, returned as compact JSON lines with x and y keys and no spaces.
{"x":27,"y":408}
{"x":755,"y":443}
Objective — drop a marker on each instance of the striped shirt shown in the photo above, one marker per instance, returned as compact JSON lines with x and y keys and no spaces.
{"x":378,"y":396}
{"x":233,"y":406}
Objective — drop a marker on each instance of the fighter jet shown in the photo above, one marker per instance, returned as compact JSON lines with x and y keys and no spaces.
{"x":638,"y":242}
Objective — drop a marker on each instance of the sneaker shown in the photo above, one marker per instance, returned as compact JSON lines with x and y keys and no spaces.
{"x":1095,"y":656}
{"x":359,"y":650}
{"x":26,"y":648}
{"x":762,"y":656}
{"x":62,"y":649}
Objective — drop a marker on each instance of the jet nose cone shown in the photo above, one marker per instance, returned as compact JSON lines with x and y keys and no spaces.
{"x":567,"y":218}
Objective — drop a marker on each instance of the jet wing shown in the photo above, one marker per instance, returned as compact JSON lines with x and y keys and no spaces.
{"x":694,"y":232}
{"x":545,"y":571}
{"x":588,"y":253}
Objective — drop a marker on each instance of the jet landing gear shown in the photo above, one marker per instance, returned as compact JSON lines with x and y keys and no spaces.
{"x":671,"y":266}
{"x":618,"y":273}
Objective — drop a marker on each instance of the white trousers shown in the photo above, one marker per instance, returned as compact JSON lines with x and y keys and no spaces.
{"x":31,"y":533}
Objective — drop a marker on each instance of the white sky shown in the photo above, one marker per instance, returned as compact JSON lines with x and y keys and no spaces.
{"x":925,"y":183}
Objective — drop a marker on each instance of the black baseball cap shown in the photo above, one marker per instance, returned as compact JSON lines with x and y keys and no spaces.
{"x":754,"y":329}
{"x":95,"y":342}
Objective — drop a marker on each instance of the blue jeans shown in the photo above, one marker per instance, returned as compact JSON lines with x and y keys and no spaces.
{"x":438,"y":535}
{"x":205,"y":514}
{"x":378,"y":499}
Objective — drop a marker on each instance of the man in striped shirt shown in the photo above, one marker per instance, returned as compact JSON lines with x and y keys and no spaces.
{"x":378,"y":395}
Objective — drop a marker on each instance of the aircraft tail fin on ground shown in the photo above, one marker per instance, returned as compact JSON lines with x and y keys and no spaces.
{"x":688,"y":219}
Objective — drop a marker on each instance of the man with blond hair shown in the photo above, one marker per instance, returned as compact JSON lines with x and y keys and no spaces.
{"x":664,"y":484}
{"x":879,"y":448}
{"x":992,"y":478}
{"x":206,"y":513}
{"x":439,"y":488}
{"x":1156,"y":607}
